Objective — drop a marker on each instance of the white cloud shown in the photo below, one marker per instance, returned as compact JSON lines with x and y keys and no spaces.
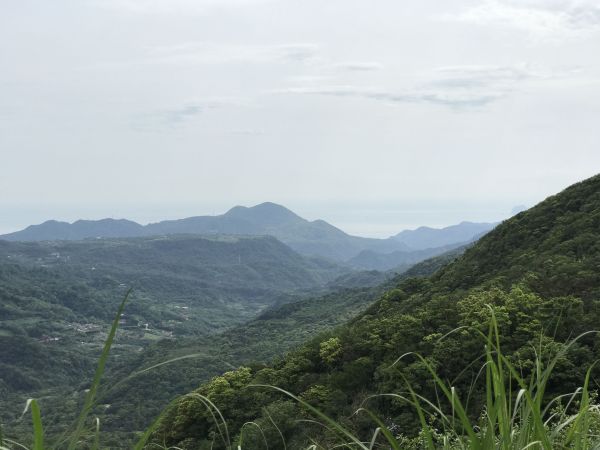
{"x":175,"y":117}
{"x":247,"y":132}
{"x":542,"y":19}
{"x":498,"y":79}
{"x":171,"y":6}
{"x":462,"y":99}
{"x":367,"y":107}
{"x":308,"y":79}
{"x":203,"y":52}
{"x":359,"y":66}
{"x":458,"y":87}
{"x":161,"y":120}
{"x":474,"y":75}
{"x":293,"y":52}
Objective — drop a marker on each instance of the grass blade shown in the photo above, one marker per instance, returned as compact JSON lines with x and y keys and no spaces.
{"x":262,"y":433}
{"x":383,"y":429}
{"x":89,"y":400}
{"x":335,"y":425}
{"x":38,"y":431}
{"x":96,"y":445}
{"x":277,"y":428}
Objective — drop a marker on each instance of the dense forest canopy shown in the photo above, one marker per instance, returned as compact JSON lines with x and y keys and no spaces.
{"x":57,"y":299}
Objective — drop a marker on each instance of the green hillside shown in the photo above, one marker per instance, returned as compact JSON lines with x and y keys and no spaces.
{"x":539,"y":271}
{"x":273,"y":333}
{"x":57,"y":299}
{"x":135,"y":400}
{"x":270,"y":335}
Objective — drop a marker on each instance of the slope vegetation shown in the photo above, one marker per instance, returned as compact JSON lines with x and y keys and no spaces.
{"x":57,"y":299}
{"x":273,"y":333}
{"x":539,"y":271}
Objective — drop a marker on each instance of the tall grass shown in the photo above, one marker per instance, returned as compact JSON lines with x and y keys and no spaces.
{"x":516,"y":413}
{"x":76,"y":437}
{"x":515,"y":416}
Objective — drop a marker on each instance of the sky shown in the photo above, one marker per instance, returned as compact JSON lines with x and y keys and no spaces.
{"x":376,"y":116}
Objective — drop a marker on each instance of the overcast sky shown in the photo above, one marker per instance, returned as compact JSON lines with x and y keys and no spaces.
{"x":374,"y":115}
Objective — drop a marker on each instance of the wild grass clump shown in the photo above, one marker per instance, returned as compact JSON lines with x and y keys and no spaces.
{"x":516,"y":414}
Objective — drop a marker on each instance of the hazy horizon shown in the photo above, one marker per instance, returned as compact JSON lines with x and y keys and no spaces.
{"x":367,"y":221}
{"x":374,"y":117}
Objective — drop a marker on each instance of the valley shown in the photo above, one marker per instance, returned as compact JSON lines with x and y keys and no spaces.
{"x":58,"y":299}
{"x":535,"y":278}
{"x":217,"y":300}
{"x":213,"y":314}
{"x":299,"y":225}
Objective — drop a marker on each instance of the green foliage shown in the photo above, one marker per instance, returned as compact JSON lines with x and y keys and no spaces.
{"x":508,"y":419}
{"x":421,"y":367}
{"x":330,"y":350}
{"x":537,"y":274}
{"x":38,"y":431}
{"x":74,"y":439}
{"x":91,"y":394}
{"x":272,"y":334}
{"x":57,"y":297}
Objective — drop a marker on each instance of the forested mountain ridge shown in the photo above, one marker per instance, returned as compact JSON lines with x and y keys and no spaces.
{"x":136,"y":260}
{"x":56,"y":322}
{"x":53,"y":230}
{"x":57,"y":299}
{"x":306,"y":237}
{"x":274,"y":332}
{"x":539,"y":270}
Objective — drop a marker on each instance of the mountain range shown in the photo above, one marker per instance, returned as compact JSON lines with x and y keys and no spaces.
{"x":313,"y":238}
{"x":206,"y":304}
{"x":426,"y":237}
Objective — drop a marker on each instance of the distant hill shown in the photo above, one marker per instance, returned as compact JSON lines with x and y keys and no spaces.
{"x":312,"y":238}
{"x":426,"y":237}
{"x":398,"y":260}
{"x":217,"y":261}
{"x":307,"y":237}
{"x":53,"y":230}
{"x":423,"y":243}
{"x":538,"y":272}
